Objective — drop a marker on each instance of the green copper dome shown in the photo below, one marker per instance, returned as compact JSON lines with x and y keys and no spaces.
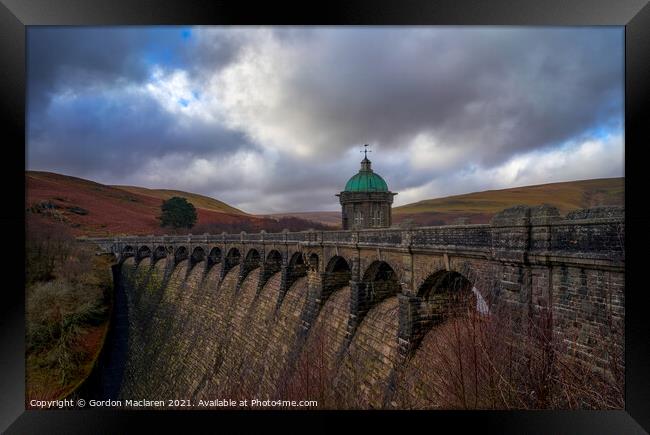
{"x":366,"y":180}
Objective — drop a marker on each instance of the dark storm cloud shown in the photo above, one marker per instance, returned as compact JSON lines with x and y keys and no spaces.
{"x":502,"y":90}
{"x":102,"y":128}
{"x":73,"y":58}
{"x":117,"y":135}
{"x":211,"y":49}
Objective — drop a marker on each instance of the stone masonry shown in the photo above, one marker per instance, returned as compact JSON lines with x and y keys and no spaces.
{"x":529,"y":261}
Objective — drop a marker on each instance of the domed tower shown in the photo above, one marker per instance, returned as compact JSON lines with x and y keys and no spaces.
{"x":366,"y":201}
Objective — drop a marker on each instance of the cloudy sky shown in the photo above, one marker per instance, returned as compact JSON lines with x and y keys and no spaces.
{"x":272,"y":119}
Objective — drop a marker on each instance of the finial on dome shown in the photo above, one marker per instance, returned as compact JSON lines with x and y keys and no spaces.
{"x":365,"y":163}
{"x":365,"y":151}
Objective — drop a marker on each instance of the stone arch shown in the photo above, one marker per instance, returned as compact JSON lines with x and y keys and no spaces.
{"x":446,"y":292}
{"x":272,"y":265}
{"x":297,"y":264}
{"x":296,"y":268}
{"x":214,"y":257}
{"x":296,"y":258}
{"x":442,"y":280}
{"x":181,"y":253}
{"x":370,"y":259}
{"x":143,"y":252}
{"x":442,"y":295}
{"x":198,"y":255}
{"x":253,"y":255}
{"x":338,"y":264}
{"x":251,"y":261}
{"x":337,"y":274}
{"x":273,"y":260}
{"x":483,"y":283}
{"x":233,"y":258}
{"x":380,"y":281}
{"x":158,"y":253}
{"x":127,"y":252}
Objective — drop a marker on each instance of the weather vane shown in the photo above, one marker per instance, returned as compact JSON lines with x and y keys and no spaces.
{"x":365,"y":151}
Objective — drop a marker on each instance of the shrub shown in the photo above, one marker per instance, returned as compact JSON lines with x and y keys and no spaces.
{"x":177,"y":212}
{"x":44,"y":250}
{"x":58,"y":313}
{"x":66,"y":302}
{"x":478,"y":362}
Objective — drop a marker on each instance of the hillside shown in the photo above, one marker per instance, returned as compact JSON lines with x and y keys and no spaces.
{"x":199,"y":201}
{"x":329,"y":218}
{"x":479,"y":207}
{"x":94,"y":209}
{"x":84,"y":207}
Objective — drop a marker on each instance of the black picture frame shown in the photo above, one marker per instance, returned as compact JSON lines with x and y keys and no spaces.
{"x":15,"y":15}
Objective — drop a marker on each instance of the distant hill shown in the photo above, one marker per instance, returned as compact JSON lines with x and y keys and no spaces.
{"x":329,"y":218}
{"x":479,"y":207}
{"x":199,"y":201}
{"x":83,"y":207}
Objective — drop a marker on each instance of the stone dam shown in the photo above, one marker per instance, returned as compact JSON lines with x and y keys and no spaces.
{"x":340,"y":316}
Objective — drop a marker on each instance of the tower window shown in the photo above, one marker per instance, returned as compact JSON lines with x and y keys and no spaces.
{"x":358,"y":218}
{"x":377,"y":218}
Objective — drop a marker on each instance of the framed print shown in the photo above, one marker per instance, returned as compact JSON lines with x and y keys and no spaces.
{"x":429,"y":211}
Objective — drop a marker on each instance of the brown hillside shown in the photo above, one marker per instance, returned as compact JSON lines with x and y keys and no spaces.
{"x":93,"y":209}
{"x":199,"y":201}
{"x":479,"y":207}
{"x":328,"y":218}
{"x":85,"y":207}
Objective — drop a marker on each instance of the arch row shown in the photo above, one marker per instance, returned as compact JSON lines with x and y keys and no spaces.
{"x":366,"y":269}
{"x":271,"y":259}
{"x":440,"y":294}
{"x":382,"y":276}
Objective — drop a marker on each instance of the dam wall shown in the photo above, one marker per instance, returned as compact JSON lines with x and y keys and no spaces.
{"x":349,"y":318}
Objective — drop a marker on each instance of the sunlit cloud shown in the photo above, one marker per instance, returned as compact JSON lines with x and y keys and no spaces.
{"x":593,"y":158}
